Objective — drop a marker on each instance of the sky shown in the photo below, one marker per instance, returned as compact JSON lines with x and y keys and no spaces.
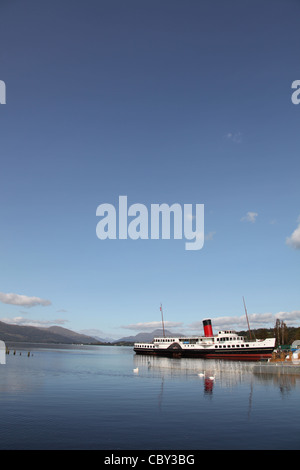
{"x":165,"y":102}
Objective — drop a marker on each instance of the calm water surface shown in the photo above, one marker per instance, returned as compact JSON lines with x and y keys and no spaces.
{"x":90,"y":398}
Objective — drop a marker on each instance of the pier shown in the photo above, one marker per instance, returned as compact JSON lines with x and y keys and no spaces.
{"x":277,"y":368}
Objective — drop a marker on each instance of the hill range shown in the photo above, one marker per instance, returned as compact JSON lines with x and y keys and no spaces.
{"x":59,"y":335}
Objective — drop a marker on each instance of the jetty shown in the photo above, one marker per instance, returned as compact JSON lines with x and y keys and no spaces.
{"x":281,"y":362}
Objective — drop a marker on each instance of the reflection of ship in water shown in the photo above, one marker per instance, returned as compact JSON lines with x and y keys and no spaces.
{"x":225,"y":374}
{"x":226,"y":371}
{"x":208,"y":385}
{"x":286,"y":379}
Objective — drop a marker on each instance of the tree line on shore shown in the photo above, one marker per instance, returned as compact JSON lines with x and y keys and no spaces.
{"x":285,"y":335}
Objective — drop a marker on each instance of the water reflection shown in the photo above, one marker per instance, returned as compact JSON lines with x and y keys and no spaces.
{"x":226,"y":374}
{"x":91,"y":398}
{"x":208,"y":386}
{"x":285,"y":383}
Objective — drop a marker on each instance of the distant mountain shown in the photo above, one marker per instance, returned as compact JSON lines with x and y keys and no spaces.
{"x":60,"y":335}
{"x":94,"y":333}
{"x":146,"y":337}
{"x":32,"y":334}
{"x":72,"y":335}
{"x":104,"y":340}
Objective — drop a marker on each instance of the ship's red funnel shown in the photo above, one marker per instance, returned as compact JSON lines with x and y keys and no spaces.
{"x":207,"y":328}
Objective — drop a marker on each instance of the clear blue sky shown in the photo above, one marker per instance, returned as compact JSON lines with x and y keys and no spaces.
{"x":163,"y":101}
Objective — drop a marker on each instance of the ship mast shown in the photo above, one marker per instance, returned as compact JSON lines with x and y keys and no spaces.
{"x":162,"y":320}
{"x":247,"y":317}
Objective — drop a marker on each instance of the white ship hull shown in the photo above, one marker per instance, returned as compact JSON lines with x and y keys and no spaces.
{"x":225,"y":345}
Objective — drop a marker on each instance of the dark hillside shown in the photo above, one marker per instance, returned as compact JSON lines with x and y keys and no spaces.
{"x":30,"y":334}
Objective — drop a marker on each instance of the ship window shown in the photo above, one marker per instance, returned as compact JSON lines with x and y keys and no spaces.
{"x":242,"y":345}
{"x":247,"y":345}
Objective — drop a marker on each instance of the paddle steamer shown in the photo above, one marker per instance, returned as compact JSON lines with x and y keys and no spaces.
{"x":225,"y":345}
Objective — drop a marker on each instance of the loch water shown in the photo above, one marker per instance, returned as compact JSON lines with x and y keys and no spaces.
{"x":90,"y":397}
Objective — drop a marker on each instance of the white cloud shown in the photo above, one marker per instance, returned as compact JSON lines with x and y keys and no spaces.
{"x":290,"y":318}
{"x":210,"y":235}
{"x":261,"y":319}
{"x":22,"y":300}
{"x":250,"y":217}
{"x":237,"y":323}
{"x":235,"y":137}
{"x":256,"y":320}
{"x":152,"y":325}
{"x":221,"y":323}
{"x":294,"y":240}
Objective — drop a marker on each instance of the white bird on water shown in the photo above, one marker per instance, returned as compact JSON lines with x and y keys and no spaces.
{"x":136,"y":370}
{"x":201,"y":374}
